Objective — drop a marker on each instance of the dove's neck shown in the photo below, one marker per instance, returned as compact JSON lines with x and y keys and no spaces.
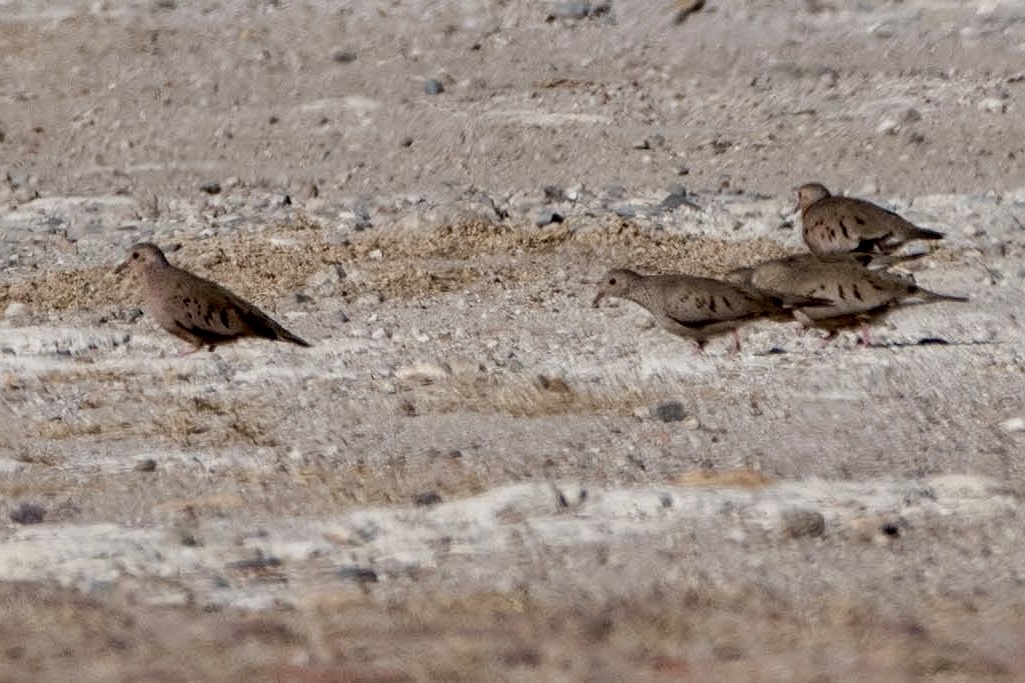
{"x":642,"y":293}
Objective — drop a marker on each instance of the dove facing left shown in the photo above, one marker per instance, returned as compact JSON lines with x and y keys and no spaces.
{"x":195,"y":309}
{"x":695,"y":307}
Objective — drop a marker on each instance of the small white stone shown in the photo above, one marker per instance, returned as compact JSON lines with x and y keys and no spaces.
{"x":993,"y":105}
{"x":376,"y":255}
{"x":642,"y":412}
{"x":15,"y":309}
{"x":424,"y":373}
{"x":888,"y":127}
{"x":690,"y":422}
{"x":1014,"y":424}
{"x":379,"y":333}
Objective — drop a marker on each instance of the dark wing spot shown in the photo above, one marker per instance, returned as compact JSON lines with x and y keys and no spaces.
{"x":186,"y":301}
{"x":726,"y":302}
{"x":832,"y":233}
{"x":711,"y":304}
{"x":859,"y":220}
{"x":224,"y":317}
{"x":843,"y":229}
{"x":857,"y":294}
{"x":839,"y":291}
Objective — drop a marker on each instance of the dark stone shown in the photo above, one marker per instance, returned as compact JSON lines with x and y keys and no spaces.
{"x":28,"y":513}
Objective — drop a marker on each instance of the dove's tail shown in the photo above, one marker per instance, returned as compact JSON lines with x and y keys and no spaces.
{"x":285,"y":335}
{"x":926,"y":234}
{"x":926,"y":295}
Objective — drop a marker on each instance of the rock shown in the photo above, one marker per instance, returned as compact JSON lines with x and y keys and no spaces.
{"x":427,"y":499}
{"x":422,"y":373}
{"x":670,"y":411}
{"x":357,"y":574}
{"x":993,"y":105}
{"x":1014,"y":424}
{"x":888,"y":127}
{"x":432,"y":86}
{"x":343,"y":56}
{"x":211,"y":188}
{"x":326,"y":280}
{"x":147,"y":465}
{"x":553,"y":193}
{"x":16,"y":309}
{"x":801,"y":523}
{"x":548,"y":217}
{"x":28,"y":513}
{"x":691,"y":423}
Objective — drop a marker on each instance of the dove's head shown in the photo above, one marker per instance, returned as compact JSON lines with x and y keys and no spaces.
{"x":810,"y":193}
{"x":141,"y":257}
{"x":618,"y":282}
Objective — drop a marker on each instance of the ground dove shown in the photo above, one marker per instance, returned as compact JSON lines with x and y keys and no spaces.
{"x":843,"y":224}
{"x":856,"y":293}
{"x":201,"y":312}
{"x":694,"y":307}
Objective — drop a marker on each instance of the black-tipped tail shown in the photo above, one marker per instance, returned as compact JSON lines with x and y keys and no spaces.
{"x":285,"y":335}
{"x":926,"y":234}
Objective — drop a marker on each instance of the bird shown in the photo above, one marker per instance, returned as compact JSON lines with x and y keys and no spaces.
{"x":199,"y":311}
{"x":854,"y":293}
{"x":696,"y":308}
{"x":833,"y":224}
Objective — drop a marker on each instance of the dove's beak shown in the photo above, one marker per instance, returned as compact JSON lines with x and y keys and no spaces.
{"x":597,"y":299}
{"x":120,"y":267}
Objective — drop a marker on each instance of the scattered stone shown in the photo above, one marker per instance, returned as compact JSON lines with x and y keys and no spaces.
{"x":15,"y":309}
{"x":427,"y":499}
{"x":211,"y":188}
{"x":577,"y":9}
{"x":676,"y":200}
{"x":343,"y":56}
{"x":406,"y":141}
{"x":327,"y":279}
{"x":147,"y":465}
{"x":547,"y":217}
{"x":670,"y":411}
{"x":801,"y":523}
{"x":910,"y":115}
{"x":993,"y":105}
{"x":422,"y":373}
{"x":357,"y":574}
{"x":691,"y":423}
{"x":432,"y":86}
{"x":28,"y":513}
{"x":626,"y":211}
{"x":875,"y":529}
{"x":888,"y":126}
{"x":1014,"y":424}
{"x":554,"y":193}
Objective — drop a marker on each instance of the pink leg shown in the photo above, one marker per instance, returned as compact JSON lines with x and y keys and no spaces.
{"x":866,"y":336}
{"x":734,"y":341}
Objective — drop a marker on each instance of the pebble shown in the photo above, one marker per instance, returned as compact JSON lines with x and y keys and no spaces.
{"x":211,"y":188}
{"x":423,"y":373}
{"x":15,"y":309}
{"x":670,"y":411}
{"x":343,"y":56}
{"x":801,"y":523}
{"x":147,"y":465}
{"x":993,"y":105}
{"x":1014,"y":424}
{"x":28,"y":513}
{"x":357,"y":574}
{"x":548,"y":217}
{"x":888,"y":127}
{"x":427,"y":499}
{"x":432,"y":86}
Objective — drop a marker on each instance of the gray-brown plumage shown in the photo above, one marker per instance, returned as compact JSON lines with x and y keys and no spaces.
{"x":855,"y":292}
{"x":694,"y":307}
{"x":201,"y":312}
{"x":832,"y":224}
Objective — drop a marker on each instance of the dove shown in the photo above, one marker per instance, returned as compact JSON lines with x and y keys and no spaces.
{"x":695,"y":307}
{"x":855,"y":293}
{"x":201,"y":312}
{"x":832,"y":224}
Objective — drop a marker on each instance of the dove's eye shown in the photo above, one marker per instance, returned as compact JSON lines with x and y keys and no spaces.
{"x":135,"y":254}
{"x":612,"y":281}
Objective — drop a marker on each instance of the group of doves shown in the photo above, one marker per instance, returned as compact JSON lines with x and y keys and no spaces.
{"x":844,"y":281}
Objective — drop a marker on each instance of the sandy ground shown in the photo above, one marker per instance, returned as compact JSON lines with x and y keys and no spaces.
{"x":474,"y":475}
